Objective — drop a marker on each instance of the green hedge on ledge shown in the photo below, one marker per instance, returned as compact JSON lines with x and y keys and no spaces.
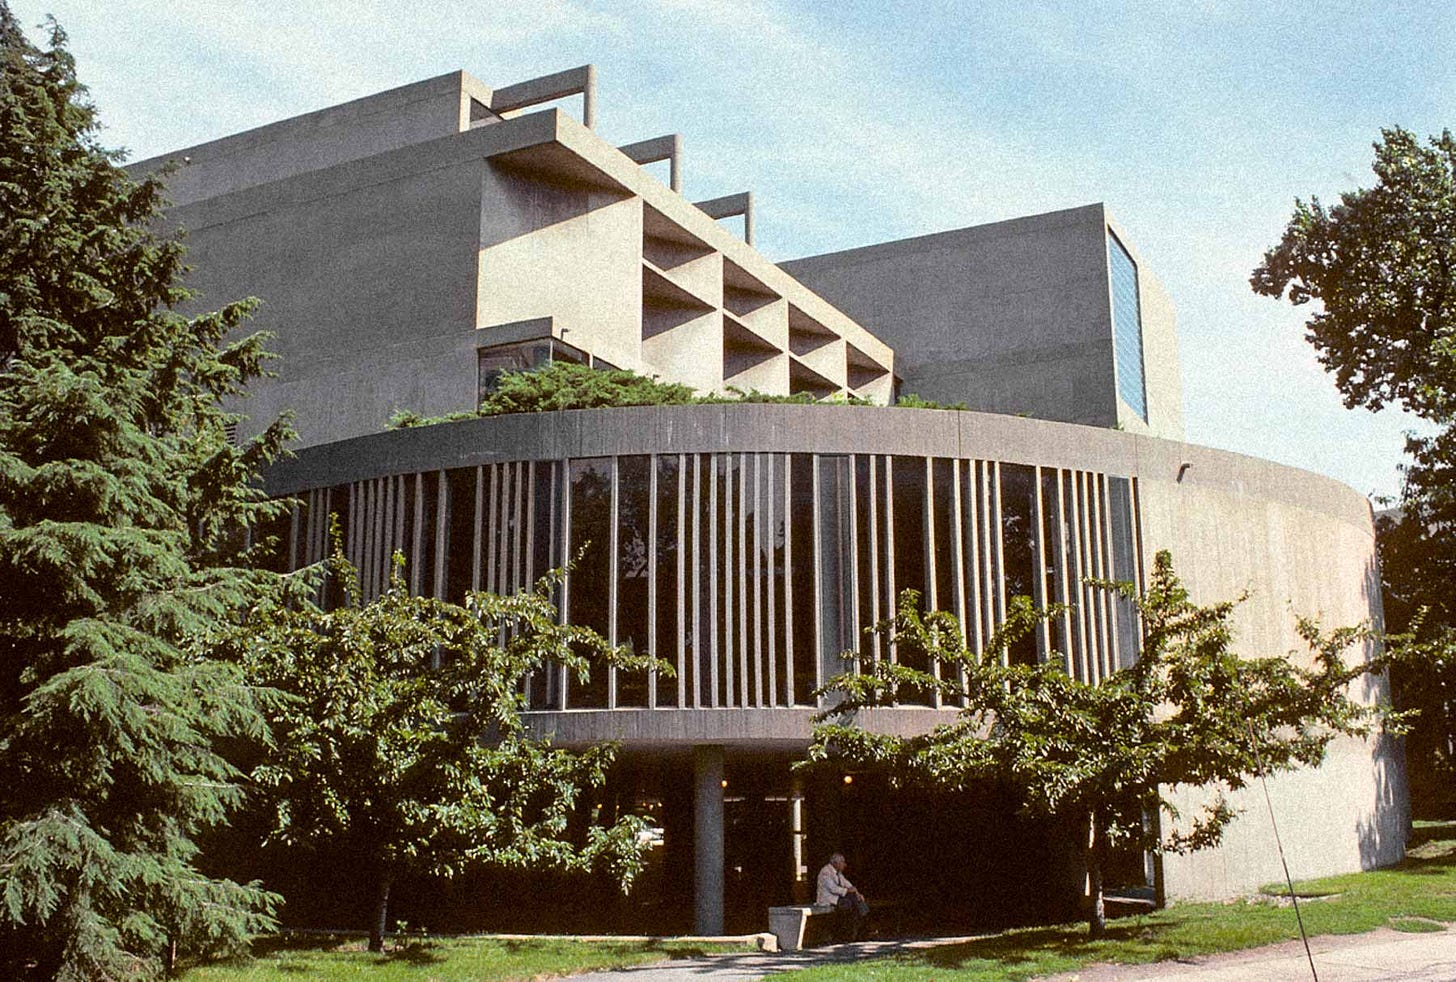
{"x":563,"y":385}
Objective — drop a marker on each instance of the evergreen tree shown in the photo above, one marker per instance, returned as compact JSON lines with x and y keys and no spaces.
{"x":121,"y":501}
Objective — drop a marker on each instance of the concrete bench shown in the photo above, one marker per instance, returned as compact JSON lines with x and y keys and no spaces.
{"x":789,"y":924}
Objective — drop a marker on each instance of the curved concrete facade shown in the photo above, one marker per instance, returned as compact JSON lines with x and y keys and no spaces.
{"x":780,"y":531}
{"x":414,"y":244}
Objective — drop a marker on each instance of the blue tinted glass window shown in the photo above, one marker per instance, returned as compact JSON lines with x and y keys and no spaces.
{"x":1127,"y":327}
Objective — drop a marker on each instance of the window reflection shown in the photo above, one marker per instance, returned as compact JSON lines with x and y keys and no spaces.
{"x":750,"y":573}
{"x":587,"y":605}
{"x":633,"y":540}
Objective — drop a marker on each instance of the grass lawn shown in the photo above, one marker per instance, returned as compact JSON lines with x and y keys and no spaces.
{"x":1417,"y":895}
{"x":439,"y":959}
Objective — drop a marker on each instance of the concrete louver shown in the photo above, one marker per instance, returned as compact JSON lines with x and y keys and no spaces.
{"x":667,"y":148}
{"x":548,"y":88}
{"x":728,"y":206}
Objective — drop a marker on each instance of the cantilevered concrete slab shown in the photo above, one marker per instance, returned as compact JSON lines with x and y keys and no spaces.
{"x":395,"y":237}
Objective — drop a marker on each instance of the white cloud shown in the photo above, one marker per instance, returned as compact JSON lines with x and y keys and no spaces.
{"x":854,"y":126}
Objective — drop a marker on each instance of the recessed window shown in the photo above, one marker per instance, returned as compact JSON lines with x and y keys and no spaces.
{"x":522,"y":356}
{"x":1127,"y":327}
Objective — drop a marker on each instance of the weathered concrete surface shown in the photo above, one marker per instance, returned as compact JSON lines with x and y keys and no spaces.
{"x":1297,"y":543}
{"x":1010,"y":317}
{"x":398,"y":117}
{"x":1298,"y":546}
{"x":388,"y":235}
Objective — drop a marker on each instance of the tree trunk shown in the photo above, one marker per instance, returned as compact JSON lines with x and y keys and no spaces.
{"x":381,"y":911}
{"x":1096,"y":859}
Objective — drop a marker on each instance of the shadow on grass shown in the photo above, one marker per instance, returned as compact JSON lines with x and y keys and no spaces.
{"x":655,"y":946}
{"x":1435,"y":862}
{"x":1028,"y":948}
{"x":1425,"y":832}
{"x":288,"y":941}
{"x":413,"y":952}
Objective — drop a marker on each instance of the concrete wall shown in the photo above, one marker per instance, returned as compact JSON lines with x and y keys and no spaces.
{"x":1298,"y":543}
{"x":370,"y":287}
{"x":1012,"y":317}
{"x":362,"y":128}
{"x":572,"y":254}
{"x":1299,"y":549}
{"x":388,"y":237}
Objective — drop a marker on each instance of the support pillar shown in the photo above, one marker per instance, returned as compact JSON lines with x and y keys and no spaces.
{"x":708,"y":840}
{"x":797,"y":830}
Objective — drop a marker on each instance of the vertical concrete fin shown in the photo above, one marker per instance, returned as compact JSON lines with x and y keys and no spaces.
{"x":667,"y":148}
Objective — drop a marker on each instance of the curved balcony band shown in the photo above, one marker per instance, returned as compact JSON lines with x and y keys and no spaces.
{"x":749,"y":545}
{"x":752,"y":571}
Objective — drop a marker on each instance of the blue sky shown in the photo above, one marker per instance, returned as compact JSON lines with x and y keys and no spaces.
{"x":1198,"y":123}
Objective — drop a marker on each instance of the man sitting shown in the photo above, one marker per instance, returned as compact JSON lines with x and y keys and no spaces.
{"x":836,"y":891}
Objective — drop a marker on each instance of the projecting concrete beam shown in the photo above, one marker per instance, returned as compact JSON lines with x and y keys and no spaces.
{"x":730,"y":205}
{"x":667,"y":148}
{"x":532,"y":92}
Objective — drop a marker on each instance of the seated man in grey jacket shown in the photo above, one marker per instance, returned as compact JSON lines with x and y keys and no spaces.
{"x":835,"y":890}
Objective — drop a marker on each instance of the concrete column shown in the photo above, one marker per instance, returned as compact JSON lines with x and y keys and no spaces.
{"x":708,"y":840}
{"x":797,"y":830}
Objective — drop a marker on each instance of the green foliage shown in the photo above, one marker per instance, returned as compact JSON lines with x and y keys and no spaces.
{"x":912,"y":401}
{"x":121,"y":507}
{"x":564,"y":385}
{"x":403,"y":739}
{"x":1190,"y":713}
{"x":1423,"y":671}
{"x":1381,"y":264}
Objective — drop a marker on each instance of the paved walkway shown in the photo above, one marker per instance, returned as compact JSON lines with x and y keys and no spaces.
{"x":757,"y":964}
{"x":1381,"y":956}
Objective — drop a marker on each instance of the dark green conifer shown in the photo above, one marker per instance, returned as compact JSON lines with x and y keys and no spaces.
{"x":121,"y":501}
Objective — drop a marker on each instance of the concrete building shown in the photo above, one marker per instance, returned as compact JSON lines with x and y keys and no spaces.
{"x":412,"y":244}
{"x":1051,"y":316}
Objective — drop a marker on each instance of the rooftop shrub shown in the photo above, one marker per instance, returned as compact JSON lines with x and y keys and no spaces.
{"x":563,"y":385}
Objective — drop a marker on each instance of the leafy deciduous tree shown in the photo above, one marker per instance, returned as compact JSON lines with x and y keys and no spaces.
{"x":1381,"y":266}
{"x":1188,"y":714}
{"x":120,"y":500}
{"x":403,"y":740}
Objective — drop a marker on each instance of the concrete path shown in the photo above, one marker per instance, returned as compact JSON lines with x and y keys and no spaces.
{"x":1381,"y":956}
{"x":757,"y":964}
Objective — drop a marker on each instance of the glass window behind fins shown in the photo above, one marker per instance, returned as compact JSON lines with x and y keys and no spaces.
{"x":749,"y":573}
{"x":1127,"y":327}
